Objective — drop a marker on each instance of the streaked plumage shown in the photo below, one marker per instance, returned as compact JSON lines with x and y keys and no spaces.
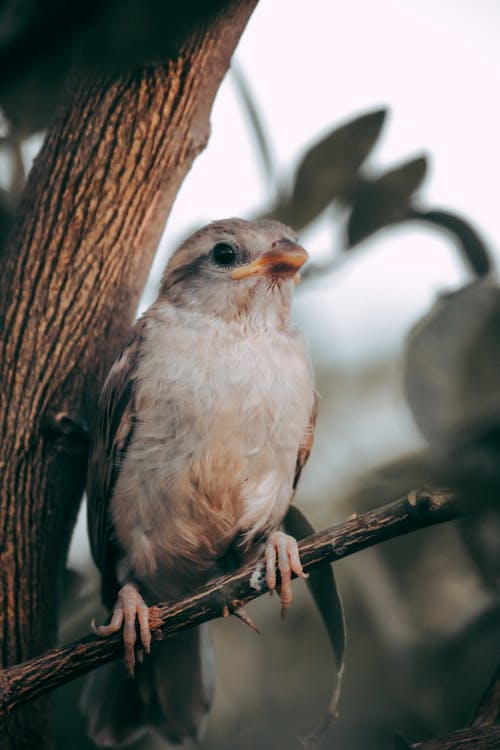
{"x":206,"y":420}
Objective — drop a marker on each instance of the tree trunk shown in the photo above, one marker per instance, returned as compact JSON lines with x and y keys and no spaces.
{"x":93,"y":211}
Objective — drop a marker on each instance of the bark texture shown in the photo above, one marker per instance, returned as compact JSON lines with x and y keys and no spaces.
{"x":93,"y":211}
{"x":470,"y":738}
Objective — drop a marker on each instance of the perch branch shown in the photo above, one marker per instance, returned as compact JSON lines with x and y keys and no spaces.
{"x":24,"y":682}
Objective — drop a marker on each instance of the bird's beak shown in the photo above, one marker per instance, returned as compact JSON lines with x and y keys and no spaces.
{"x":285,"y":258}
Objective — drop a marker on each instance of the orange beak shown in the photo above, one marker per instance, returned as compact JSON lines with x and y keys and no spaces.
{"x":285,"y":258}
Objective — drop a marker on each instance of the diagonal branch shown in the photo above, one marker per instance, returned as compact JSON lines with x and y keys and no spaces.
{"x":488,"y":710}
{"x":482,"y":733}
{"x":26,"y":681}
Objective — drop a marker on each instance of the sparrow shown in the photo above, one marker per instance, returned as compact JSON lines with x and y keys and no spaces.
{"x":205,"y":423}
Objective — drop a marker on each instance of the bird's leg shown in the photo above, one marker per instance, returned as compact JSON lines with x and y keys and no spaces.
{"x":129,"y":607}
{"x":283,"y":548}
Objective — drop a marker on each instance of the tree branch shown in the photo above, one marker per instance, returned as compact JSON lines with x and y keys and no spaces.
{"x":469,"y":738}
{"x":481,"y":734}
{"x":488,"y":709}
{"x":26,"y":681}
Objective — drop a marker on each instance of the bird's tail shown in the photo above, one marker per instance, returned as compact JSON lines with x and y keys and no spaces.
{"x":171,"y":694}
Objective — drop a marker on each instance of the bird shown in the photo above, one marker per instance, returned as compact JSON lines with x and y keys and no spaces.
{"x":205,"y":422}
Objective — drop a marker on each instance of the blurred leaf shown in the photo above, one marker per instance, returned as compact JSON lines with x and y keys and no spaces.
{"x":322,"y":585}
{"x":472,"y":247}
{"x":329,"y":170}
{"x":451,"y":377}
{"x":384,"y":201}
{"x":452,"y":365}
{"x":480,"y":534}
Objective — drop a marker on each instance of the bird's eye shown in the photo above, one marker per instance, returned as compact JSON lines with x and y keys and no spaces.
{"x":224,"y":254}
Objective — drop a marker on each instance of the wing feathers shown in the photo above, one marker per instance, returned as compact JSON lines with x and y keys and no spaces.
{"x":114,"y":431}
{"x":307,"y":443}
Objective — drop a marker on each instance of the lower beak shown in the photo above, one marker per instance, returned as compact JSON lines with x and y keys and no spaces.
{"x":285,"y":258}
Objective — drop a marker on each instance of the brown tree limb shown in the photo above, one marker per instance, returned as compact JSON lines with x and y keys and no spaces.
{"x":482,"y":733}
{"x":469,"y":738}
{"x":488,"y":709}
{"x":90,"y":220}
{"x":418,"y":510}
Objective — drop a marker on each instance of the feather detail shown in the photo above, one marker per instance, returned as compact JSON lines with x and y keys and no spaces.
{"x":307,"y":443}
{"x":109,"y":446}
{"x":172,"y":693}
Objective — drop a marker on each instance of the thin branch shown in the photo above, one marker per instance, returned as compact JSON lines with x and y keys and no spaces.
{"x":422,"y":508}
{"x":469,"y":738}
{"x":258,"y":127}
{"x":481,"y":734}
{"x":488,"y":709}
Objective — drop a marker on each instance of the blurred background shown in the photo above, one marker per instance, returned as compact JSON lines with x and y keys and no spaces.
{"x":371,"y":128}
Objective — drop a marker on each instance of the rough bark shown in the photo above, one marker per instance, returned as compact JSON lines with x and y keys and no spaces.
{"x":482,"y":734}
{"x":96,"y":202}
{"x":64,"y":663}
{"x":488,"y":710}
{"x":470,"y":738}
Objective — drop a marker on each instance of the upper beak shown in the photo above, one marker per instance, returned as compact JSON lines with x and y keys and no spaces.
{"x":285,"y":258}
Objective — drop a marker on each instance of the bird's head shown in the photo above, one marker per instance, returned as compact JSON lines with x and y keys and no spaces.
{"x":235,"y":269}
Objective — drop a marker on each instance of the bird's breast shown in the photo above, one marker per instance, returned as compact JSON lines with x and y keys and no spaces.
{"x":219,"y":421}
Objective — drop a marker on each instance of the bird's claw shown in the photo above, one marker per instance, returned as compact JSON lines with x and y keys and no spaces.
{"x":235,"y":608}
{"x":129,"y":608}
{"x":240,"y":613}
{"x":283,"y":548}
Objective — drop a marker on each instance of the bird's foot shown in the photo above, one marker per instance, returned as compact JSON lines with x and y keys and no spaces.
{"x":283,"y":548}
{"x":129,"y":608}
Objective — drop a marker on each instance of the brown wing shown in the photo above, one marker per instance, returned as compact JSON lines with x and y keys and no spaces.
{"x":112,"y":436}
{"x":307,"y":443}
